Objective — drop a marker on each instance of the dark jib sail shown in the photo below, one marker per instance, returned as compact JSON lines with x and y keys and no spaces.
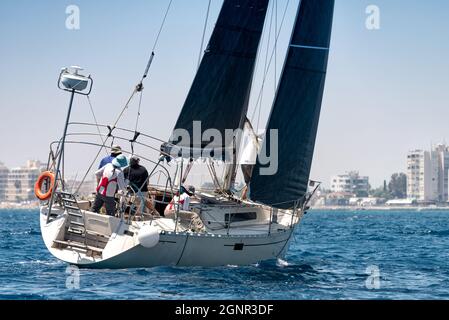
{"x":296,"y":110}
{"x":218,"y":98}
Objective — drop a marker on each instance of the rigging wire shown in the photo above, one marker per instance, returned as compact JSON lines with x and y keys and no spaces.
{"x":156,"y":41}
{"x":258,"y":61}
{"x":125,"y":108}
{"x":137,"y":89}
{"x":162,"y":25}
{"x":266,"y":61}
{"x":96,"y":122}
{"x":106,"y":140}
{"x":275,"y":45}
{"x":269,"y":64}
{"x":139,"y":111}
{"x":204,"y":33}
{"x":215,"y":177}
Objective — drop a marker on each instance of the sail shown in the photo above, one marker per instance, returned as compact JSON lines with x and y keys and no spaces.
{"x":250,"y":147}
{"x":219,"y":96}
{"x":296,"y":109}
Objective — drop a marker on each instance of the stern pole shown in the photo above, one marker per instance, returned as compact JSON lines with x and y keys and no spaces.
{"x":72,"y":82}
{"x":58,"y":166}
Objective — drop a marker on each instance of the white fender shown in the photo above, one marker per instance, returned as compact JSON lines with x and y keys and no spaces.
{"x":148,"y":236}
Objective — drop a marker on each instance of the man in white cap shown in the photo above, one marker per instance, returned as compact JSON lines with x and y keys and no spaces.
{"x":111,"y":177}
{"x":115,"y":152}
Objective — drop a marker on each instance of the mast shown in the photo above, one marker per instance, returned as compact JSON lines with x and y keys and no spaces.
{"x":296,"y":109}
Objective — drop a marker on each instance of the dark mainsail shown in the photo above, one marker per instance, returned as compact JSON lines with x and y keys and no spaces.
{"x":220,"y":92}
{"x":296,"y":110}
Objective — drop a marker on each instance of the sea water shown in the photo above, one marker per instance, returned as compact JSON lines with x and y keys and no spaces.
{"x":334,"y":255}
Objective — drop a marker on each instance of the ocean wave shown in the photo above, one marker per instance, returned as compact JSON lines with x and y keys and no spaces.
{"x":441,"y":233}
{"x":42,"y":262}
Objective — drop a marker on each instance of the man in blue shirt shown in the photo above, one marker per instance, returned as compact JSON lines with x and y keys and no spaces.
{"x":115,"y":152}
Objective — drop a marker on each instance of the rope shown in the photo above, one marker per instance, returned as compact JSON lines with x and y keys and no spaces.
{"x":204,"y":33}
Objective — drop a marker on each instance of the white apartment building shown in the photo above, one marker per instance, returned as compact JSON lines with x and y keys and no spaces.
{"x":20,"y":186}
{"x":351,"y":182}
{"x":425,"y":181}
{"x":4,"y":171}
{"x":443,"y":171}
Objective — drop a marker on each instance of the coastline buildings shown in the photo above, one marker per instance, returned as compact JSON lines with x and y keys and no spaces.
{"x":422,"y":176}
{"x":349,"y":189}
{"x":428,"y":174}
{"x":350,"y":183}
{"x":20,"y":185}
{"x":443,"y":171}
{"x":4,"y":172}
{"x":17,"y":184}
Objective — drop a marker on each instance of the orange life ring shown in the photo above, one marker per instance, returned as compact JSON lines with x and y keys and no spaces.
{"x":47,"y":175}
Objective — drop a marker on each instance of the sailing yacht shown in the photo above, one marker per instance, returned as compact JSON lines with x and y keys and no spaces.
{"x":221,"y":227}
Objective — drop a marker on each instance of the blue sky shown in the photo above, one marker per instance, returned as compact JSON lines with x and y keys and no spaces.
{"x":387,"y":90}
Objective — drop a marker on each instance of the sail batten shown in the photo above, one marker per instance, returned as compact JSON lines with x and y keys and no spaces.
{"x":296,"y":108}
{"x":308,"y":47}
{"x":219,"y":95}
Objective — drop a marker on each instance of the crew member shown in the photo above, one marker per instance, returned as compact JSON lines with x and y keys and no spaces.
{"x":181,"y":199}
{"x":138,"y":181}
{"x":111,"y":177}
{"x":115,"y":152}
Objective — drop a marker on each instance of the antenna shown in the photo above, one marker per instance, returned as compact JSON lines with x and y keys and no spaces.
{"x":75,"y":83}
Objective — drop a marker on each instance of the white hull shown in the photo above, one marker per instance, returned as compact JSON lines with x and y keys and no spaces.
{"x":123,"y":249}
{"x":191,"y":250}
